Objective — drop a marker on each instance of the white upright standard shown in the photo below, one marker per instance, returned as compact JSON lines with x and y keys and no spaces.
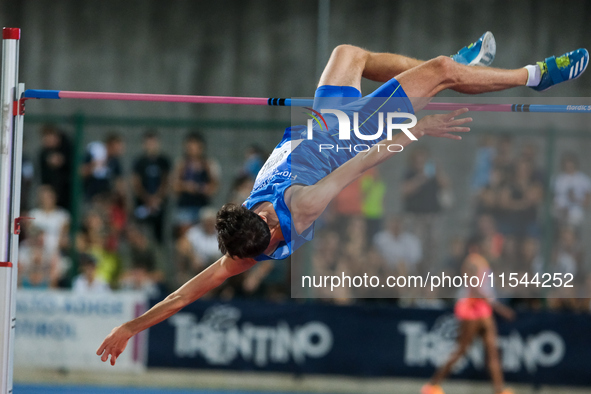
{"x":11,"y":137}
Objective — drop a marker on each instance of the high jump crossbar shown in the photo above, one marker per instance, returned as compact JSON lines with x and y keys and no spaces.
{"x":285,"y":102}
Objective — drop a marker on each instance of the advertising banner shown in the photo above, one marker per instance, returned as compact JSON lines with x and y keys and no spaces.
{"x":61,"y":329}
{"x":537,"y":348}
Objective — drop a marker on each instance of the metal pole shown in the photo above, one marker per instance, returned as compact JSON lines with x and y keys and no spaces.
{"x":548,"y":220}
{"x":9,"y":80}
{"x":16,"y":212}
{"x":76,"y":190}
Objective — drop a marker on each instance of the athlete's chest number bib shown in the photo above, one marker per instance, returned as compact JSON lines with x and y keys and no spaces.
{"x":277,"y":160}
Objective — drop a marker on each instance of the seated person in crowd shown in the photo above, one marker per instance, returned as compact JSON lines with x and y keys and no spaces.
{"x":88,"y":281}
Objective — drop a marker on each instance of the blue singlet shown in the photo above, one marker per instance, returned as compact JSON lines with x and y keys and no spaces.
{"x":298,"y":160}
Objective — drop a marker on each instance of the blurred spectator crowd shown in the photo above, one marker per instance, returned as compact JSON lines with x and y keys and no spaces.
{"x":151,"y":227}
{"x":148,"y":228}
{"x":528,"y":223}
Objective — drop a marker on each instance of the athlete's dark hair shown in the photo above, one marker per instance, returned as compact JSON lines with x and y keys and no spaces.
{"x":195,"y":135}
{"x":241,"y":232}
{"x":150,"y":133}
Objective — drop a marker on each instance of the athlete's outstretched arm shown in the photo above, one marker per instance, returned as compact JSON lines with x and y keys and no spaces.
{"x":307,"y":203}
{"x":210,"y":278}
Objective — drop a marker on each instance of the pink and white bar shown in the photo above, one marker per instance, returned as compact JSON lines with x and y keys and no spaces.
{"x":285,"y":102}
{"x":169,"y":98}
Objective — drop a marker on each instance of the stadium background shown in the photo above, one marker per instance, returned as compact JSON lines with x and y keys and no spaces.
{"x":265,"y":48}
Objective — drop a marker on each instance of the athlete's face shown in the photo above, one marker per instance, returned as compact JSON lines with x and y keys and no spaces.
{"x":50,"y":140}
{"x":272,"y":229}
{"x":486,"y":224}
{"x":209,"y":225}
{"x":567,"y":238}
{"x":47,"y":198}
{"x":116,"y":148}
{"x":194,"y":148}
{"x":151,"y":146}
{"x":530,"y":248}
{"x":419,"y":160}
{"x":264,"y":218}
{"x":523,"y":171}
{"x":395,"y":226}
{"x":569,"y":166}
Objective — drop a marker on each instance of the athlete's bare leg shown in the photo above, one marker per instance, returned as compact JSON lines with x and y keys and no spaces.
{"x":348,"y":64}
{"x":435,"y":75}
{"x":468,"y":331}
{"x":489,"y":338}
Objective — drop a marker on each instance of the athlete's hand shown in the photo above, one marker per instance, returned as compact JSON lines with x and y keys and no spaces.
{"x":114,"y":344}
{"x":442,"y":125}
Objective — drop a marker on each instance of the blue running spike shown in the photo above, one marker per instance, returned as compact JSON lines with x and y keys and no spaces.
{"x":480,"y":53}
{"x":559,"y":69}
